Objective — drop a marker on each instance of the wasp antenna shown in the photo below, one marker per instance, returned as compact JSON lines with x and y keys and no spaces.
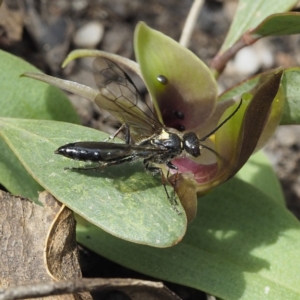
{"x":213,"y":151}
{"x":218,"y":155}
{"x":220,"y":125}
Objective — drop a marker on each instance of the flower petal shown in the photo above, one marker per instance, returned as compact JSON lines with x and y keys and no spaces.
{"x":274,"y":119}
{"x":181,"y":86}
{"x":185,"y":189}
{"x":81,"y":53}
{"x":70,"y":86}
{"x":214,"y":119}
{"x":238,"y":139}
{"x":80,"y":89}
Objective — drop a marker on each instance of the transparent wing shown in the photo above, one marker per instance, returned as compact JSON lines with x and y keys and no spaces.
{"x":119,"y":96}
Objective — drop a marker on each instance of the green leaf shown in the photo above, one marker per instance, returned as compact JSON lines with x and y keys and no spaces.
{"x":290,"y":82}
{"x":26,"y":98}
{"x":250,"y":14}
{"x":14,"y":177}
{"x":123,"y":200}
{"x":278,"y":24}
{"x":239,"y":89}
{"x":291,"y":90}
{"x":242,"y":245}
{"x":259,"y":173}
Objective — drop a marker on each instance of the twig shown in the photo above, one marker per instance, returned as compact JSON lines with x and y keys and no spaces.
{"x":220,"y":61}
{"x":190,"y":23}
{"x":74,"y":286}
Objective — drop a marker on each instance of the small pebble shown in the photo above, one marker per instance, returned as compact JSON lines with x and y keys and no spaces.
{"x":79,"y":5}
{"x":250,"y":59}
{"x":89,"y":35}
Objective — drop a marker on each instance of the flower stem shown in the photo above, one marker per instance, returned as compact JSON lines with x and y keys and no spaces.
{"x":190,"y":23}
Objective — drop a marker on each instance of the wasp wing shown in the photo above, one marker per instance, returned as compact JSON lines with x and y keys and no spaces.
{"x":119,"y":96}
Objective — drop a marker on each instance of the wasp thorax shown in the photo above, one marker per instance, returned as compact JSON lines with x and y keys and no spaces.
{"x":169,"y":141}
{"x":191,"y":144}
{"x":162,"y":79}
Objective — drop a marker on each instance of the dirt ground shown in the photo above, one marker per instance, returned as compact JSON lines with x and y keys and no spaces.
{"x":44,"y":32}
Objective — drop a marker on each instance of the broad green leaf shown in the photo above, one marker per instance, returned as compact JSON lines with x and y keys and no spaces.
{"x":123,"y":200}
{"x":290,"y":82}
{"x":250,"y":14}
{"x":278,"y":24}
{"x":242,"y":245}
{"x":291,"y":90}
{"x":239,"y":89}
{"x":14,"y":177}
{"x":260,"y":174}
{"x":26,"y":98}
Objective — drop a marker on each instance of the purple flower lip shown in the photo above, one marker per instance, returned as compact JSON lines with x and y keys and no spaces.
{"x":202,"y":173}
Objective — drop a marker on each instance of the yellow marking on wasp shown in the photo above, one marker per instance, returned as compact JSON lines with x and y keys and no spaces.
{"x":164,"y":135}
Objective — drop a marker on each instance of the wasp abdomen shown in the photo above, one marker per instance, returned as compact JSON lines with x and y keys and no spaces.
{"x":75,"y":151}
{"x":93,"y":151}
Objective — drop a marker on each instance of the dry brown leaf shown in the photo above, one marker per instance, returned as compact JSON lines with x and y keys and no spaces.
{"x":61,"y":253}
{"x":24,"y":228}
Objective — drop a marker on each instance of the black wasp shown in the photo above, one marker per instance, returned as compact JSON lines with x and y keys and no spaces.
{"x":146,"y":138}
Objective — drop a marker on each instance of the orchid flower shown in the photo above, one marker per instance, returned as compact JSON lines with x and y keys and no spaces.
{"x":184,"y":94}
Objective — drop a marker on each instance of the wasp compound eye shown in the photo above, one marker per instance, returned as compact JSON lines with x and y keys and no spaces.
{"x":191,"y":144}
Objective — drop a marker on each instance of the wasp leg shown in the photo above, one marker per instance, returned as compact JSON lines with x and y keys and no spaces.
{"x":103,"y":165}
{"x":112,"y":137}
{"x":99,"y":166}
{"x":173,"y":183}
{"x":126,"y":129}
{"x":157,"y":170}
